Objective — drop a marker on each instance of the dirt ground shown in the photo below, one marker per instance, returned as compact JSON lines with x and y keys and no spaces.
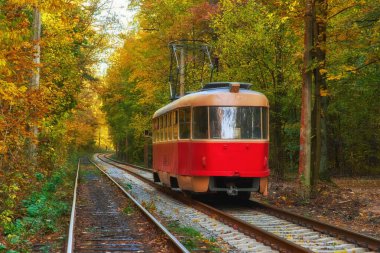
{"x":353,"y":204}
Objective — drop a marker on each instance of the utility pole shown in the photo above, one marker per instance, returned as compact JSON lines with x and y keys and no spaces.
{"x":35,"y":82}
{"x":305,"y":131}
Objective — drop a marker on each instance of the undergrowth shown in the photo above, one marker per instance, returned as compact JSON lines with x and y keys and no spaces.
{"x":43,"y":214}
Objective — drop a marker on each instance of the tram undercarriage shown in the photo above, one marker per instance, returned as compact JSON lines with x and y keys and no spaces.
{"x":232,"y":186}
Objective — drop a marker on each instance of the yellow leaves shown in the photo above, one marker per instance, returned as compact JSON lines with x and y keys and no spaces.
{"x":293,"y":5}
{"x":324,"y":92}
{"x":323,"y":71}
{"x":284,"y":19}
{"x":350,"y":69}
{"x":24,"y":2}
{"x":6,"y":216}
{"x":345,"y":70}
{"x":23,"y":89}
{"x":335,"y":77}
{"x":3,"y":62}
{"x":9,"y":91}
{"x":3,"y":147}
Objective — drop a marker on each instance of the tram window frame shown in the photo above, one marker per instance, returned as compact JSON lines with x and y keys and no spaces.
{"x":155,"y":128}
{"x":203,"y":133}
{"x":169,"y":128}
{"x":159,"y":128}
{"x":175,"y":124}
{"x":184,"y":133}
{"x":165,"y":120}
{"x":265,"y":123}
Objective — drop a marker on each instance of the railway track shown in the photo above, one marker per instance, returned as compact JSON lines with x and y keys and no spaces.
{"x":103,"y":220}
{"x":307,"y":234}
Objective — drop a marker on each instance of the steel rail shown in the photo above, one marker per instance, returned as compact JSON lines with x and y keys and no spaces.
{"x":70,"y":241}
{"x":356,"y":238}
{"x":341,"y":233}
{"x":177,"y":244}
{"x":129,"y":164}
{"x":259,"y":234}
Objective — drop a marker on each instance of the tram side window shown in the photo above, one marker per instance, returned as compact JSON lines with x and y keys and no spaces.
{"x":184,"y":123}
{"x":165,"y":128}
{"x":175,"y":125}
{"x":200,"y":122}
{"x":264,"y":114}
{"x":160,"y":129}
{"x":155,"y":129}
{"x":256,"y":122}
{"x":170,"y":128}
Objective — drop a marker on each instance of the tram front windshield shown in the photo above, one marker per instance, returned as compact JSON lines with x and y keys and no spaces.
{"x":238,"y":122}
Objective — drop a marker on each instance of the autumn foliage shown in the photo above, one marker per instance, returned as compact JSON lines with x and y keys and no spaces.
{"x":56,"y":107}
{"x":259,"y":42}
{"x":253,"y":41}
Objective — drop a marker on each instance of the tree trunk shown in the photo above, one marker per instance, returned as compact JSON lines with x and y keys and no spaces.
{"x":35,"y":82}
{"x":321,"y":36}
{"x":278,"y":123}
{"x":305,"y":131}
{"x":316,"y":114}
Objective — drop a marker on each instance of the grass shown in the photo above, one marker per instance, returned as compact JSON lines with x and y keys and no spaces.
{"x":192,"y":239}
{"x":129,"y":210}
{"x":149,"y":206}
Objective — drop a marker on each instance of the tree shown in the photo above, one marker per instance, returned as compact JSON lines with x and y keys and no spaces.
{"x":46,"y":103}
{"x":305,"y":133}
{"x":258,"y":42}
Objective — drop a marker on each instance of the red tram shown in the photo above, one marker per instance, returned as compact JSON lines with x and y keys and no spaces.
{"x":214,"y":140}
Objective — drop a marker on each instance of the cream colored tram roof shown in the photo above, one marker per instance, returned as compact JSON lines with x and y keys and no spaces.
{"x":217,"y":97}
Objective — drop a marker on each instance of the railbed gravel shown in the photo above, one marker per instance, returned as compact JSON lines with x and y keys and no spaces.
{"x":228,"y":238}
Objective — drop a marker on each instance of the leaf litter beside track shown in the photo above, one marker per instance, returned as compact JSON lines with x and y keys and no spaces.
{"x":352,"y":204}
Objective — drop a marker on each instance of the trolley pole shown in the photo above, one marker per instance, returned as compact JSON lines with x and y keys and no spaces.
{"x":182,"y":73}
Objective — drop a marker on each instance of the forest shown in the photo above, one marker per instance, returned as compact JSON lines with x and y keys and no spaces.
{"x":260,"y":42}
{"x":54,"y":104}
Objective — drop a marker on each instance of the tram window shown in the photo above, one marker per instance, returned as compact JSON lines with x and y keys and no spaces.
{"x":157,"y":130}
{"x":223,"y":123}
{"x":154,"y":130}
{"x":264,"y":114}
{"x":165,"y":128}
{"x":256,"y":122}
{"x":200,"y":122}
{"x":175,"y":125}
{"x":235,"y":122}
{"x":160,"y":129}
{"x":184,"y":123}
{"x":170,"y":128}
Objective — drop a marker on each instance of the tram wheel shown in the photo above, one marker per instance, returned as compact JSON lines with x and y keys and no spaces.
{"x":244,"y":195}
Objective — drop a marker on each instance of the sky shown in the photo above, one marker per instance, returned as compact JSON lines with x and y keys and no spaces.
{"x":112,"y":10}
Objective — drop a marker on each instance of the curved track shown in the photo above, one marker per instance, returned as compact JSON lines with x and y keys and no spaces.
{"x":307,"y":234}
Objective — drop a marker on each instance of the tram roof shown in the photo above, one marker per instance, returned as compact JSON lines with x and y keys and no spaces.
{"x":218,"y":94}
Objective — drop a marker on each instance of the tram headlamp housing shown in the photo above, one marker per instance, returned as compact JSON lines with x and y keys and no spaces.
{"x":234,"y":87}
